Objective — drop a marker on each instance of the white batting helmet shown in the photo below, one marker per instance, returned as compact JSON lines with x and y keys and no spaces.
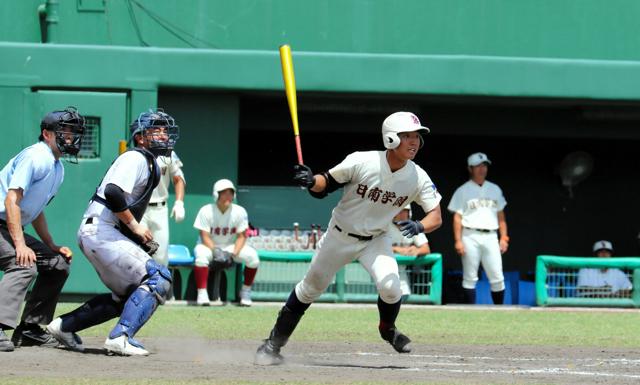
{"x":222,"y":185}
{"x":400,"y":122}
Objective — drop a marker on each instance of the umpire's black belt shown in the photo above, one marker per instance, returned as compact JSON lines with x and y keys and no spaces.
{"x":480,"y":230}
{"x":356,"y":236}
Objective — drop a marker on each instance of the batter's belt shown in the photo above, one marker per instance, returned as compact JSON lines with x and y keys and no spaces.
{"x":356,"y":236}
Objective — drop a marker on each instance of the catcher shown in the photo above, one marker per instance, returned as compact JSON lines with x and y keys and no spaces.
{"x":222,"y":227}
{"x":118,"y":246}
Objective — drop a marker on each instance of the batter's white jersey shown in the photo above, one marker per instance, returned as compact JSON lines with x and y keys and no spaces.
{"x":130,"y":171}
{"x":169,"y":167}
{"x":373,"y":194}
{"x":397,"y":239}
{"x":616,"y":279}
{"x":223,"y":227}
{"x":478,"y":205}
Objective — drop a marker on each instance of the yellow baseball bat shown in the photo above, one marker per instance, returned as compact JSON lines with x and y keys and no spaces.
{"x":290,"y":88}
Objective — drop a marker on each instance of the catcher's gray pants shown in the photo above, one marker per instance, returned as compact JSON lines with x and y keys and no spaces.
{"x":52,"y":270}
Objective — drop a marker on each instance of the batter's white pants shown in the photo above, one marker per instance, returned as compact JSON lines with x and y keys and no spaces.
{"x":156,"y":218}
{"x":120,"y":263}
{"x":335,"y":250}
{"x":481,"y":247}
{"x":248,"y":255}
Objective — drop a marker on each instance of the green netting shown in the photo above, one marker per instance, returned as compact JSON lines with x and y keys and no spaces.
{"x":280,"y":271}
{"x":583,"y":281}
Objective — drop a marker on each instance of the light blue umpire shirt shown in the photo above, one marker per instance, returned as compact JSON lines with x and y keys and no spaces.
{"x":37,"y":172}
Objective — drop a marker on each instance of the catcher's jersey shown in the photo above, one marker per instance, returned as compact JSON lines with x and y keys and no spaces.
{"x":478,"y":205}
{"x":223,"y":227}
{"x":130,"y":171}
{"x":397,"y":239}
{"x":373,"y":194}
{"x":169,"y":167}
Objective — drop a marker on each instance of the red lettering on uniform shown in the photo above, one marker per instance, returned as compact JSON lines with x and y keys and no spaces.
{"x":374,"y":194}
{"x":362,"y":189}
{"x":233,"y":230}
{"x":388,"y":196}
{"x":400,"y":201}
{"x":216,"y":231}
{"x":225,"y":230}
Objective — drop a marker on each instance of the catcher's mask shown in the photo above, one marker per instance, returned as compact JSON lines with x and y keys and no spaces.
{"x":400,"y":122}
{"x":69,"y":127}
{"x":159,"y":129}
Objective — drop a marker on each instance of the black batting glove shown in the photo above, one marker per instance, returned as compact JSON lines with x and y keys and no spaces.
{"x":303,"y":176}
{"x":410,"y":228}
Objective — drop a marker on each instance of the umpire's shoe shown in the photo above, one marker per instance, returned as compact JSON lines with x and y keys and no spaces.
{"x":268,"y":354}
{"x":5,"y":344}
{"x":32,"y":335}
{"x":69,"y":340}
{"x":400,"y":342}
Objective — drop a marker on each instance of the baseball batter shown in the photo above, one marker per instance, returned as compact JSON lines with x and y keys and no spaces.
{"x":407,"y":246}
{"x":156,"y":217}
{"x":114,"y":241}
{"x":376,"y":186}
{"x":222,"y":226}
{"x":478,"y":214}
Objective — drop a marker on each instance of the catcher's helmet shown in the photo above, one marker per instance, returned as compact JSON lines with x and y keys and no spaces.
{"x":222,"y":185}
{"x":69,"y":127}
{"x":400,"y":122}
{"x":154,"y":119}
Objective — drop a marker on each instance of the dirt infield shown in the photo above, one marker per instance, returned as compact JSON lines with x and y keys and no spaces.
{"x":198,"y":359}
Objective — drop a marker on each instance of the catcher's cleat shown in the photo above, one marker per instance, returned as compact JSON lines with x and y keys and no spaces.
{"x":400,"y":342}
{"x":69,"y":340}
{"x":268,"y":354}
{"x":125,"y":346}
{"x":32,"y":335}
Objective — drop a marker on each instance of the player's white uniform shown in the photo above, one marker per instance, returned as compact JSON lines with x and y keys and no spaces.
{"x":479,"y":207}
{"x":156,"y":218}
{"x":397,"y":239}
{"x":612,"y":279}
{"x":224,"y":229}
{"x":120,"y":263}
{"x":372,"y":196}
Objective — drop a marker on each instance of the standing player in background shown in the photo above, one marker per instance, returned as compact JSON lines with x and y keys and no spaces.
{"x":478,"y":212}
{"x":222,"y":227}
{"x":377,"y":185}
{"x":119,"y":247}
{"x":156,"y":217}
{"x":28,"y":183}
{"x":407,"y":246}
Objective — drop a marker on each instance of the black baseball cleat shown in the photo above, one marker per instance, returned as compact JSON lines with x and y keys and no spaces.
{"x":268,"y":354}
{"x":32,"y":335}
{"x":400,"y":342}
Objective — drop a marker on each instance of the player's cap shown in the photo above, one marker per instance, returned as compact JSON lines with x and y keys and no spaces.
{"x":477,"y":158}
{"x":222,"y":185}
{"x":402,"y":122}
{"x":602,"y":245}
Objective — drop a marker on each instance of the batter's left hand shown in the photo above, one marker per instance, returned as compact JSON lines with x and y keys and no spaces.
{"x":178,"y":211}
{"x":504,"y":245}
{"x":410,"y":228}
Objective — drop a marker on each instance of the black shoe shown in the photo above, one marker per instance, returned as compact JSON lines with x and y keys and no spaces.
{"x":32,"y":335}
{"x":400,"y":342}
{"x":5,"y":344}
{"x":268,"y":354}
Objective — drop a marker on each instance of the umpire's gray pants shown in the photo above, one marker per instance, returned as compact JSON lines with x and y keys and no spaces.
{"x":52,"y":270}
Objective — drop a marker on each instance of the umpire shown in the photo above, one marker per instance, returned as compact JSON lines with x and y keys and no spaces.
{"x":27,"y":184}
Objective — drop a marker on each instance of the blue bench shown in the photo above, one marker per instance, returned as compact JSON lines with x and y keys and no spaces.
{"x":181,"y":261}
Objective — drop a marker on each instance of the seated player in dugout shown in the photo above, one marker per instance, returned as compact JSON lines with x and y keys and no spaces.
{"x":407,"y":246}
{"x":222,"y":225}
{"x":603,"y":283}
{"x":376,"y":186}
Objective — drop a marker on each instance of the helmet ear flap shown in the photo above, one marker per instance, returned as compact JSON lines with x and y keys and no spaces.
{"x":391,"y":140}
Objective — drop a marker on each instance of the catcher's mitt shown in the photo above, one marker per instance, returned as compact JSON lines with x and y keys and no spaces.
{"x":150,"y":247}
{"x":221,"y":259}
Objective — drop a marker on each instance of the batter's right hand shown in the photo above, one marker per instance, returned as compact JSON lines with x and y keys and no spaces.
{"x":303,"y":176}
{"x":25,"y":257}
{"x":459,"y":248}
